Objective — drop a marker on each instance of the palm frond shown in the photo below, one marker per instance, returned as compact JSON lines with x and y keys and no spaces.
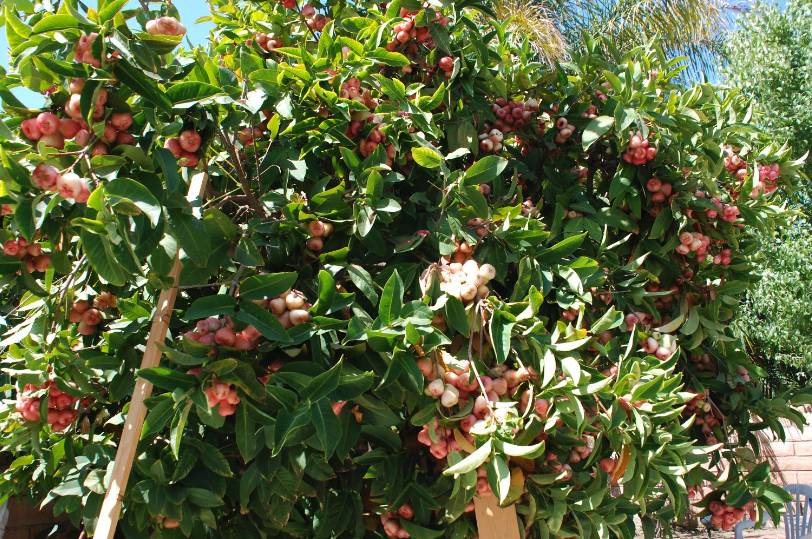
{"x":537,"y":24}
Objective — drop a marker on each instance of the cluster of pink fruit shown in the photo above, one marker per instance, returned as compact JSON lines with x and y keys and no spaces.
{"x":267,"y":42}
{"x":565,"y":130}
{"x":461,"y":254}
{"x":443,"y":441}
{"x":663,"y":302}
{"x":726,"y":517}
{"x":639,"y":152}
{"x":219,"y":393}
{"x":318,"y":230}
{"x":84,"y":55}
{"x":165,"y":26}
{"x":659,"y":190}
{"x":314,"y":21}
{"x":406,"y":31}
{"x":184,"y":146}
{"x":661,"y":345}
{"x":702,"y":362}
{"x":510,"y":115}
{"x":591,"y":112}
{"x":89,"y":317}
{"x":725,"y":212}
{"x":694,"y":242}
{"x":766,"y":180}
{"x":53,"y":131}
{"x":115,"y":132}
{"x":734,"y":164}
{"x":30,"y":252}
{"x":60,"y":411}
{"x":290,"y":308}
{"x":479,"y":225}
{"x":215,"y":331}
{"x":600,"y":94}
{"x":632,"y":319}
{"x":701,"y":410}
{"x":468,"y":281}
{"x":571,"y":314}
{"x":392,"y":527}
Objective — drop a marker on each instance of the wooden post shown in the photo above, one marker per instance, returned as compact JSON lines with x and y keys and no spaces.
{"x":494,"y":522}
{"x":111,"y":507}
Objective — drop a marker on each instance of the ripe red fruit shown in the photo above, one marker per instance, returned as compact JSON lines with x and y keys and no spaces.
{"x":121,"y":121}
{"x":446,"y":63}
{"x":173,"y":145}
{"x":11,"y":248}
{"x":85,"y":329}
{"x":169,"y":522}
{"x":45,"y":176}
{"x":607,"y":465}
{"x":189,"y":140}
{"x":188,"y":159}
{"x":91,"y":317}
{"x":122,"y":137}
{"x":225,"y":337}
{"x":99,"y":148}
{"x":109,"y":135}
{"x":68,"y":128}
{"x":54,"y":140}
{"x":42,"y":262}
{"x":31,"y":129}
{"x":48,"y":123}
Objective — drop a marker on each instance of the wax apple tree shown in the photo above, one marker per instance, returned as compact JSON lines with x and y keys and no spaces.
{"x":425,"y":267}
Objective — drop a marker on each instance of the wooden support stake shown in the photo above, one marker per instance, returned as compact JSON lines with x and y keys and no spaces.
{"x":111,"y":507}
{"x":494,"y":522}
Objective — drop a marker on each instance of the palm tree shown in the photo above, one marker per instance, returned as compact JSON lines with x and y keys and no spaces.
{"x":693,"y":28}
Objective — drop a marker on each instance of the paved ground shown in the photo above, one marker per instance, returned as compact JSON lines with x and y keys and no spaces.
{"x":766,"y":532}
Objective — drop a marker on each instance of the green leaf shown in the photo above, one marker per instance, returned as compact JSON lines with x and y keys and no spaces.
{"x":596,"y":129}
{"x":322,"y":385}
{"x":529,"y":451}
{"x":203,"y":498}
{"x":55,"y":22}
{"x":100,"y":255}
{"x":383,"y":56}
{"x":571,"y":368}
{"x":245,"y":430}
{"x":25,"y":219}
{"x":485,"y":170}
{"x":190,"y":233}
{"x":211,"y":306}
{"x":391,"y":300}
{"x":244,"y":377}
{"x":328,"y":426}
{"x":426,"y":157}
{"x":184,"y":360}
{"x":327,"y":292}
{"x":561,"y":249}
{"x":502,"y":476}
{"x":610,"y":319}
{"x":138,"y":194}
{"x":176,"y":430}
{"x":267,"y":286}
{"x":266,"y":323}
{"x":110,"y":10}
{"x":169,"y":165}
{"x":191,"y":92}
{"x":501,"y":327}
{"x":454,"y":313}
{"x":136,"y":81}
{"x":363,"y":281}
{"x":158,"y":416}
{"x":168,"y":379}
{"x":472,"y":461}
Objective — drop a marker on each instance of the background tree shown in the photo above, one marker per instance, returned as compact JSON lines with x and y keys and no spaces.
{"x":770,"y":58}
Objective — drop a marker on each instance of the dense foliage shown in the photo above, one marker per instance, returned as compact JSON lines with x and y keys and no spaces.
{"x":424,"y":268}
{"x":778,"y":312}
{"x":770,"y":58}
